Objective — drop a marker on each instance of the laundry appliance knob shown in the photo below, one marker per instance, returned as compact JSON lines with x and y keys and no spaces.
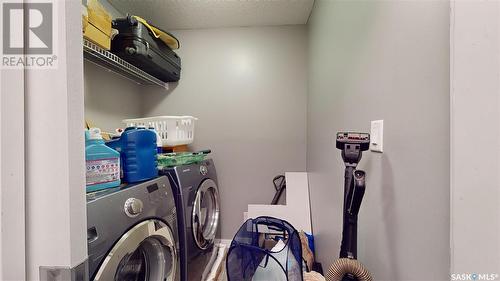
{"x":203,"y":170}
{"x":133,"y":207}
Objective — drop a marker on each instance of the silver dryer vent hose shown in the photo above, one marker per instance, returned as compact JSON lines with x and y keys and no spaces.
{"x":343,"y":266}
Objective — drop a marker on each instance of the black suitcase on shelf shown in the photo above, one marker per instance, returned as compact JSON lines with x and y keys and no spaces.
{"x":136,"y":44}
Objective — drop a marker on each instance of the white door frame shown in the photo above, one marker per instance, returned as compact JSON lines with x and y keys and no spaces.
{"x":12,"y":174}
{"x":475,"y":137}
{"x":56,"y":224}
{"x":12,"y":187}
{"x":42,"y":191}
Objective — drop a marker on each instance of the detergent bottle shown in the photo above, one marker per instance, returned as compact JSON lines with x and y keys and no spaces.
{"x":159,"y":147}
{"x":102,"y":162}
{"x":138,"y":150}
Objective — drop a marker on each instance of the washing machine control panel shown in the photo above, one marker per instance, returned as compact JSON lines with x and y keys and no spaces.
{"x":133,"y":207}
{"x":203,"y":170}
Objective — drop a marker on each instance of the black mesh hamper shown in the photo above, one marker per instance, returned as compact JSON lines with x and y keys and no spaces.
{"x":250,"y":256}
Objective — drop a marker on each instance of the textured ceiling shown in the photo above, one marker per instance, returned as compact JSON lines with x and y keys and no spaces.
{"x":194,"y":14}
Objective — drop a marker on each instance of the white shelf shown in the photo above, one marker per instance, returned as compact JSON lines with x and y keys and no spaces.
{"x":110,"y":61}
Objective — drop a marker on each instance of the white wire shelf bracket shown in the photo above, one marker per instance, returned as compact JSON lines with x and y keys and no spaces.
{"x":110,"y":61}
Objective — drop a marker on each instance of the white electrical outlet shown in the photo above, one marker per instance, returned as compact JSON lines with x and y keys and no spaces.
{"x":377,"y":136}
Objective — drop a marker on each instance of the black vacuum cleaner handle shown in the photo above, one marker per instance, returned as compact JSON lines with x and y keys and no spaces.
{"x":279,"y":183}
{"x":348,"y":247}
{"x":348,"y":185}
{"x":352,"y":145}
{"x":354,"y":190}
{"x":358,"y":192}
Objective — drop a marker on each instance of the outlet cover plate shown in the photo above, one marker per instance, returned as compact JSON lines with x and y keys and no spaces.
{"x":377,"y":136}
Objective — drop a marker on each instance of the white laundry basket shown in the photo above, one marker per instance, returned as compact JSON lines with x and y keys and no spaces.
{"x":173,"y":130}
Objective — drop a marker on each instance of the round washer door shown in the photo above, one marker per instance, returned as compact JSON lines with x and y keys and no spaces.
{"x":205,"y":217}
{"x":145,"y":252}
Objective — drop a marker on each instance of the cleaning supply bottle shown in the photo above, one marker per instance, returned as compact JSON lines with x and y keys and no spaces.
{"x":138,"y":151}
{"x":102,"y":162}
{"x":159,"y":146}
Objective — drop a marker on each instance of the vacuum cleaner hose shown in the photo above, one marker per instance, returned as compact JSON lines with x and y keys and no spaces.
{"x":344,"y":266}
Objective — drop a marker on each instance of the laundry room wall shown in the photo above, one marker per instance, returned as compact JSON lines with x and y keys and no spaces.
{"x":115,"y":13}
{"x":373,"y":60}
{"x":248,"y":87}
{"x":110,"y":98}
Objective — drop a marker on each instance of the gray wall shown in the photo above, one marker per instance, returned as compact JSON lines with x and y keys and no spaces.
{"x":248,"y":87}
{"x":115,"y":13}
{"x":383,"y":60}
{"x":110,"y":98}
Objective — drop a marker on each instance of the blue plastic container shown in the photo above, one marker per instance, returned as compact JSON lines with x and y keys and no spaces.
{"x":102,"y":162}
{"x":137,"y":147}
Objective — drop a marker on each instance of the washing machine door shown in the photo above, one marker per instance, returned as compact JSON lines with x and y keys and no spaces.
{"x":145,"y":252}
{"x":205,"y":217}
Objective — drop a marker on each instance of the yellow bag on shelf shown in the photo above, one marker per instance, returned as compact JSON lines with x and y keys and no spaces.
{"x":164,"y":36}
{"x":97,"y":24}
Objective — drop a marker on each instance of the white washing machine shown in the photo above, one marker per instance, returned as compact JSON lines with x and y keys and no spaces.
{"x":132,"y":233}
